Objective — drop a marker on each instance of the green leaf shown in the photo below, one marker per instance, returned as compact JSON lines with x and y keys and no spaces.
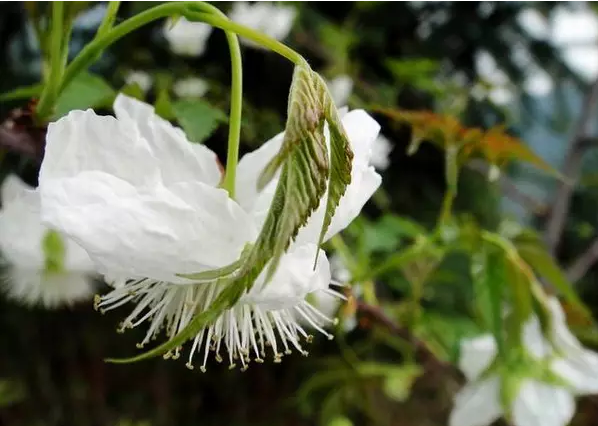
{"x":198,"y":118}
{"x":341,"y":157}
{"x":23,"y":92}
{"x":85,"y":91}
{"x":398,"y":384}
{"x":340,"y":421}
{"x":488,"y":274}
{"x":544,"y":264}
{"x":11,"y":392}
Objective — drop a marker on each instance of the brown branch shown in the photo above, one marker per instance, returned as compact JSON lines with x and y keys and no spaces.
{"x":376,"y":314}
{"x":584,"y":262}
{"x":571,"y":169}
{"x":510,"y":189}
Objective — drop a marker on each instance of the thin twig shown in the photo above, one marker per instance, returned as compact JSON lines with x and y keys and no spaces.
{"x":510,"y":189}
{"x":558,"y":214}
{"x":584,"y":262}
{"x":376,"y":314}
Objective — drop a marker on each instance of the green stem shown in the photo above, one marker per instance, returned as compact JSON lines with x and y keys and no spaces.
{"x":236,"y":106}
{"x":261,"y":39}
{"x":109,"y":18}
{"x":51,"y":90}
{"x":447,"y":207}
{"x":90,"y":52}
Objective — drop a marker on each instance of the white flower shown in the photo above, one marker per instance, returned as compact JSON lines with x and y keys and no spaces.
{"x":190,"y":87}
{"x":26,"y":277}
{"x":381,"y":150}
{"x":537,"y":403}
{"x":265,"y":17}
{"x":187,"y":38}
{"x":145,"y":203}
{"x":340,"y":89}
{"x":141,"y":78}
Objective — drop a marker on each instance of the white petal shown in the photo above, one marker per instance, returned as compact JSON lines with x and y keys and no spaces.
{"x":294,"y":279}
{"x":381,"y":149}
{"x":477,"y":355}
{"x":275,"y":21}
{"x":151,"y":232}
{"x":533,"y":338}
{"x":180,"y":160}
{"x":563,"y":338}
{"x":84,"y":141}
{"x":35,"y":287}
{"x":580,"y":370}
{"x":12,"y":188}
{"x":249,"y":169}
{"x":541,"y":404}
{"x":21,"y":231}
{"x":190,"y":87}
{"x":141,"y":78}
{"x":477,"y":404}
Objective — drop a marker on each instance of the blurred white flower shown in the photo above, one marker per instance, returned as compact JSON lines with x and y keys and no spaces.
{"x":141,"y":78}
{"x":187,"y":38}
{"x":536,"y":402}
{"x":146,"y":205}
{"x":265,"y":17}
{"x":27,"y":277}
{"x":341,"y":88}
{"x":190,"y":87}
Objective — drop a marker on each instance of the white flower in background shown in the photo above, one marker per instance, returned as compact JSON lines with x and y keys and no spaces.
{"x":187,"y":38}
{"x":340,"y":89}
{"x":26,"y":276}
{"x":265,"y":17}
{"x":190,"y":87}
{"x":141,"y":78}
{"x":381,"y":149}
{"x":146,"y":205}
{"x":537,"y":403}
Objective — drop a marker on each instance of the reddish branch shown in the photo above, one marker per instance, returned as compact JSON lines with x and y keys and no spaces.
{"x":571,"y":169}
{"x":376,"y":315}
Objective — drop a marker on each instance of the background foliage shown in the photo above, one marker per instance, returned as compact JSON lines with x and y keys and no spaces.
{"x":394,"y":368}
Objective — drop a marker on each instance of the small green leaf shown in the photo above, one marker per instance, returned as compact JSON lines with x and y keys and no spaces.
{"x":544,"y":264}
{"x":85,"y":91}
{"x":340,"y":421}
{"x":23,"y":92}
{"x":398,"y":384}
{"x":198,"y":118}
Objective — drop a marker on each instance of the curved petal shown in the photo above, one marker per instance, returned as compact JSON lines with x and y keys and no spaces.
{"x":179,"y":159}
{"x":12,"y":188}
{"x":34,"y":287}
{"x":580,"y":371}
{"x":540,"y":404}
{"x":249,"y":169}
{"x":84,"y":141}
{"x":21,"y":231}
{"x":151,"y":232}
{"x":477,"y":404}
{"x":533,"y":338}
{"x":477,"y":355}
{"x":294,"y":279}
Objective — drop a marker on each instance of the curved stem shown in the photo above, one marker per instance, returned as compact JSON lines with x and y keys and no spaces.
{"x":259,"y":38}
{"x":236,"y":107}
{"x":51,"y":90}
{"x":93,"y":49}
{"x":109,"y":18}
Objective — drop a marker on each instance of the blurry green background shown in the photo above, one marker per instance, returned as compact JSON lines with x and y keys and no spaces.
{"x":523,"y":64}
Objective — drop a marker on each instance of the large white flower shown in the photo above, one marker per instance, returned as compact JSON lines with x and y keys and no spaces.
{"x":145,"y":203}
{"x":381,"y":150}
{"x":537,"y":403}
{"x":187,"y":38}
{"x":265,"y":17}
{"x":26,"y":277}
